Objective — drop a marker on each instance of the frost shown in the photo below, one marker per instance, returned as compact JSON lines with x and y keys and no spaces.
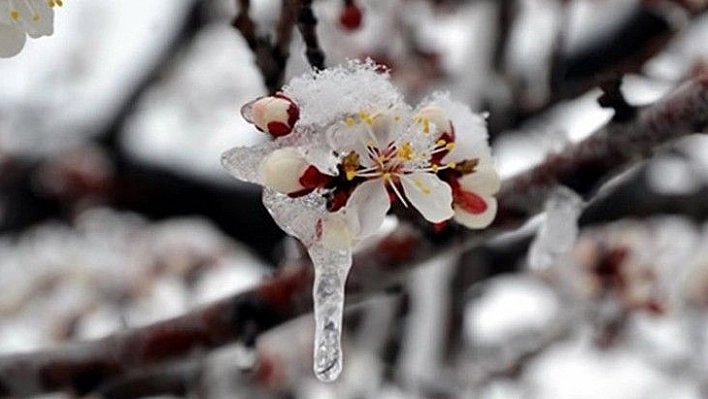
{"x":559,"y":230}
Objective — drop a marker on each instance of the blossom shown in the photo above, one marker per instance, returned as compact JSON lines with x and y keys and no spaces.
{"x":348,"y":146}
{"x":19,"y":18}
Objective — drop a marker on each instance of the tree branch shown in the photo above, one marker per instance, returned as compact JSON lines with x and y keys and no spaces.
{"x":82,"y":367}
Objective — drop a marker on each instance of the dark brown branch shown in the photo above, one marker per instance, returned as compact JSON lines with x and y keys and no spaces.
{"x":84,"y":366}
{"x":584,"y":165}
{"x":271,"y":56}
{"x":307,"y":25}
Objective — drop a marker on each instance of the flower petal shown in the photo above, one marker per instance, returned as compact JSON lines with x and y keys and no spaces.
{"x":368,"y":206}
{"x":477,"y":220}
{"x":36,"y":17}
{"x":12,"y":40}
{"x":485,"y":180}
{"x":429,"y":195}
{"x":343,"y":139}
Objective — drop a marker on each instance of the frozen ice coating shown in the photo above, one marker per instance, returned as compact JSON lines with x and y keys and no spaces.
{"x":331,"y":269}
{"x":559,"y":230}
{"x":344,"y":147}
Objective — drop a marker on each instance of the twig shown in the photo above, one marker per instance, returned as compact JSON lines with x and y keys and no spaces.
{"x":271,"y":56}
{"x":583,"y":166}
{"x":307,"y":25}
{"x":84,"y":366}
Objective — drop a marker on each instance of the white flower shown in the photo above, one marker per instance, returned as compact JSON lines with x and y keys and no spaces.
{"x":355,"y":147}
{"x":19,"y":18}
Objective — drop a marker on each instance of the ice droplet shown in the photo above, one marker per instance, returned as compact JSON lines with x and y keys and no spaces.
{"x":331,"y":270}
{"x":247,"y":111}
{"x":558,"y":231}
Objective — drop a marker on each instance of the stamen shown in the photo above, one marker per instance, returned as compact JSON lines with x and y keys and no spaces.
{"x":15,"y":15}
{"x":350,"y":121}
{"x":398,"y":193}
{"x":406,"y":152}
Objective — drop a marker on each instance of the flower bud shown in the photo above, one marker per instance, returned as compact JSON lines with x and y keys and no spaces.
{"x":275,"y":115}
{"x":282,"y":169}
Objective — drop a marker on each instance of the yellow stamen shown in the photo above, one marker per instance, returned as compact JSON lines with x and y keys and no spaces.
{"x":15,"y":15}
{"x":450,"y":146}
{"x":350,"y":121}
{"x":434,"y":168}
{"x":59,"y":2}
{"x":440,"y":143}
{"x":366,"y":118}
{"x":386,"y":176}
{"x":451,"y":165}
{"x":351,"y":174}
{"x":35,"y":17}
{"x":406,"y":152}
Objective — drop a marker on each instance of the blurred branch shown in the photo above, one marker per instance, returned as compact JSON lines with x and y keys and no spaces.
{"x":271,"y":56}
{"x":645,"y":33}
{"x":586,"y":164}
{"x":307,"y":25}
{"x":82,"y":367}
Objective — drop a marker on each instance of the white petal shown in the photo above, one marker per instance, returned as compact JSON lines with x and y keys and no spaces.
{"x":12,"y":40}
{"x":381,"y":129}
{"x":429,"y":195}
{"x":484,"y":181}
{"x":36,"y":17}
{"x":5,"y":13}
{"x":343,"y":139}
{"x":437,"y":117}
{"x":281,"y":170}
{"x":42,"y":22}
{"x":336,"y":232}
{"x":368,"y":205}
{"x":477,"y":220}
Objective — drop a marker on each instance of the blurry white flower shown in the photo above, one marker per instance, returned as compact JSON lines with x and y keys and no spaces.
{"x":19,"y":18}
{"x":345,"y":135}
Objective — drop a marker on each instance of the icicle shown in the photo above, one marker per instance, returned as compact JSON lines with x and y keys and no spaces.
{"x":331,"y":270}
{"x":559,"y":230}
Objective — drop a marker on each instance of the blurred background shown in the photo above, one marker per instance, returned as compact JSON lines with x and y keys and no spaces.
{"x":115,"y":211}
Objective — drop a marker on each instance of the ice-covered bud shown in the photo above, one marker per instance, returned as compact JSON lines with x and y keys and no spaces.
{"x":432,"y":115}
{"x":276,"y":115}
{"x":22,"y":18}
{"x":282,"y":170}
{"x":473,"y":197}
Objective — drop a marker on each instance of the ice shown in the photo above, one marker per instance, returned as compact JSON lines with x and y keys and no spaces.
{"x":559,"y":230}
{"x":331,"y":269}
